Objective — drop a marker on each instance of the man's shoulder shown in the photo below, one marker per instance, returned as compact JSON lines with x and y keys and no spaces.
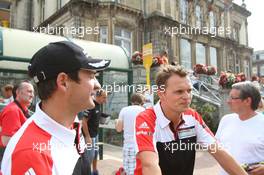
{"x":191,"y":111}
{"x":29,"y":144}
{"x":228,"y":117}
{"x":132,"y":108}
{"x":10,"y":106}
{"x":193,"y":114}
{"x":28,"y":161}
{"x":31,"y":138}
{"x":147,"y":115}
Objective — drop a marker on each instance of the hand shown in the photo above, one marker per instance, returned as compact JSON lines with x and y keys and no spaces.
{"x":257,"y":170}
{"x":88,"y":140}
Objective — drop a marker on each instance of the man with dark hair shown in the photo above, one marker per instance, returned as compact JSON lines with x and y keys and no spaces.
{"x":166,"y":135}
{"x":48,"y":142}
{"x":90,"y":121}
{"x":126,"y":122}
{"x":241,"y":132}
{"x":15,"y":113}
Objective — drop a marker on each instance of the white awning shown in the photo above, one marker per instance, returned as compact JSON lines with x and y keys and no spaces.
{"x":23,"y":44}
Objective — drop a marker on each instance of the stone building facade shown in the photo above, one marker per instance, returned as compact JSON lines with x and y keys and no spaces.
{"x":258,"y":63}
{"x":192,"y":31}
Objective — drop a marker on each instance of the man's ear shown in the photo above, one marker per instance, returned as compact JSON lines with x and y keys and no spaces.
{"x":62,"y":81}
{"x":160,"y":93}
{"x":248,"y":101}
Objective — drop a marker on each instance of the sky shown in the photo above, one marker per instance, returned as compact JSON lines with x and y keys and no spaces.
{"x":255,"y":23}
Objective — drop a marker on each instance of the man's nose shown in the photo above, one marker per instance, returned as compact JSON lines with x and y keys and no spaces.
{"x":186,"y":95}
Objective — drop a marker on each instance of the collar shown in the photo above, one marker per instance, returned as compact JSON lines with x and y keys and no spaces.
{"x":45,"y":122}
{"x":24,"y":107}
{"x":162,"y":120}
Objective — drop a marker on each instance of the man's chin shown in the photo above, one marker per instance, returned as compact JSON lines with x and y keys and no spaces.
{"x":91,"y":105}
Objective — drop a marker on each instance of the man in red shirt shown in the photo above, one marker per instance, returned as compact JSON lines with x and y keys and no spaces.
{"x":15,"y":114}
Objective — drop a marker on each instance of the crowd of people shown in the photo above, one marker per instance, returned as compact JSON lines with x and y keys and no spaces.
{"x":61,"y":137}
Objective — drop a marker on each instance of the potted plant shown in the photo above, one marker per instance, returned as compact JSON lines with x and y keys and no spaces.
{"x":227,"y":79}
{"x":137,"y":58}
{"x":211,"y":70}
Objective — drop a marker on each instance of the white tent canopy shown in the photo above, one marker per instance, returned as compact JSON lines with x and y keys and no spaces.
{"x":23,"y":44}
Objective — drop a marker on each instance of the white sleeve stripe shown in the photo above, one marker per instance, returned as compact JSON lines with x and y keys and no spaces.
{"x":30,"y":172}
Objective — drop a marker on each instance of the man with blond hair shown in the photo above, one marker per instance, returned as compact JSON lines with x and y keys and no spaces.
{"x":166,"y":135}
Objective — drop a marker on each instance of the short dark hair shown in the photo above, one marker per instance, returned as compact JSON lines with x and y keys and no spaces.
{"x":167,"y":71}
{"x":46,"y":88}
{"x":137,"y":99}
{"x":248,"y":90}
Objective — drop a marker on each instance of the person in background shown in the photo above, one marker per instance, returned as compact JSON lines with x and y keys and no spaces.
{"x":90,"y":124}
{"x":126,"y":123}
{"x":241,"y":132}
{"x":7,"y":93}
{"x":14,"y":115}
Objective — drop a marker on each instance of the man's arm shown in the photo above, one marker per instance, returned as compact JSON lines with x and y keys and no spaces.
{"x":257,"y":170}
{"x":225,"y":160}
{"x":5,"y":140}
{"x":10,"y":125}
{"x":28,"y":162}
{"x":119,"y":125}
{"x":150,"y":162}
{"x":86,"y":130}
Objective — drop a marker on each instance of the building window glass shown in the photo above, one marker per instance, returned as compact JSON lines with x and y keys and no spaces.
{"x":235,"y":33}
{"x":200,"y":54}
{"x":246,"y":68}
{"x":123,"y":39}
{"x":185,"y":57}
{"x":255,"y":70}
{"x":103,"y":34}
{"x":42,"y":9}
{"x":183,"y":11}
{"x":199,"y":17}
{"x":237,"y":65}
{"x":261,"y":56}
{"x":222,"y":25}
{"x":262,"y":70}
{"x":59,"y":4}
{"x":213,"y":57}
{"x":212,"y":22}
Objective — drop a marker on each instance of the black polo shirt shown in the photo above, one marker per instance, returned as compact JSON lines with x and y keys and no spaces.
{"x":93,"y":116}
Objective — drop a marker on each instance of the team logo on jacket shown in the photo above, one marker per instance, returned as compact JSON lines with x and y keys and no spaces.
{"x":30,"y":172}
{"x":144,"y":125}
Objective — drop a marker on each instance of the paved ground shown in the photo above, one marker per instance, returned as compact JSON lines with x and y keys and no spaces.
{"x":205,"y":164}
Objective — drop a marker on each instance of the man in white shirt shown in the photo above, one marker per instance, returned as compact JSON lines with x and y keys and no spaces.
{"x":241,"y":133}
{"x":48,"y":143}
{"x":126,"y":122}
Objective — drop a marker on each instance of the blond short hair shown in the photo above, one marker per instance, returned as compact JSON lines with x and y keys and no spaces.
{"x":165,"y":72}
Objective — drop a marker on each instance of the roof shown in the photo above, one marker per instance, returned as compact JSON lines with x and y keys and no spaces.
{"x":17,"y":48}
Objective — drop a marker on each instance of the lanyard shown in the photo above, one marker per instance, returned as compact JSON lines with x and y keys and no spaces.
{"x":24,"y":112}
